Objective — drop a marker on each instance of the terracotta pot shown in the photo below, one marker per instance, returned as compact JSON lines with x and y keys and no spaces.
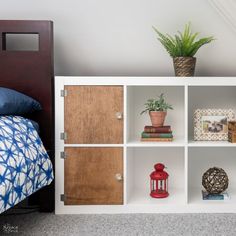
{"x":184,"y":66}
{"x":157,"y":118}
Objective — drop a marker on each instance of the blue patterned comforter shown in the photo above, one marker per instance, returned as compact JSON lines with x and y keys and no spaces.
{"x":25,"y":166}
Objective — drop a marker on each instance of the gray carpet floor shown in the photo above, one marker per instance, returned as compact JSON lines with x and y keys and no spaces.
{"x":42,"y":224}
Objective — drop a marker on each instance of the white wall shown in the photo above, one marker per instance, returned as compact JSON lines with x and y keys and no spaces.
{"x":114,"y":37}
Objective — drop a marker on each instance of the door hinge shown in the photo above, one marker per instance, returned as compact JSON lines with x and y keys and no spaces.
{"x":64,"y":93}
{"x":63,"y":155}
{"x":64,"y":136}
{"x":63,"y":197}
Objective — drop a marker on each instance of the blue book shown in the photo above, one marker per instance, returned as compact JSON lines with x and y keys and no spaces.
{"x":210,"y":196}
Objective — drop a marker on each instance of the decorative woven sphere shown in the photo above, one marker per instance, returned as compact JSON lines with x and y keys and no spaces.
{"x":215,"y":180}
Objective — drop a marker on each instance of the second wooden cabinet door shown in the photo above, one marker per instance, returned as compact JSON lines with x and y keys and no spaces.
{"x":93,"y":114}
{"x":93,"y":176}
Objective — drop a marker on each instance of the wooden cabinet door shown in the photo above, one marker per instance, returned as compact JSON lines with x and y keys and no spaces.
{"x":93,"y":114}
{"x":92,"y":176}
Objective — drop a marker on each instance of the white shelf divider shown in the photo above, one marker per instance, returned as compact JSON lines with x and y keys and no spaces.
{"x":186,"y":141}
{"x":193,"y":143}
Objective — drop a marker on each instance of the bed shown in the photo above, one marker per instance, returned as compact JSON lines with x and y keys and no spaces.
{"x":29,"y":72}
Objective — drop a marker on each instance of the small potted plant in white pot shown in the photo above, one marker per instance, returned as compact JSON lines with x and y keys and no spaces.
{"x":157,"y":109}
{"x":182,"y":47}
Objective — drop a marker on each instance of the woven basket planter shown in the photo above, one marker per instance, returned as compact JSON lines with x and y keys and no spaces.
{"x":184,"y":66}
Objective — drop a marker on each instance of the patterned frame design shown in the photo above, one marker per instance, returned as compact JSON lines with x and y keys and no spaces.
{"x":199,"y":135}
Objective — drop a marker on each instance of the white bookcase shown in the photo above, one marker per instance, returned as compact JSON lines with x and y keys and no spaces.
{"x":186,"y":160}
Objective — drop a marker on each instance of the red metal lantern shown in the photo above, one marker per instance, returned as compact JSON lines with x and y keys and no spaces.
{"x":159,"y":182}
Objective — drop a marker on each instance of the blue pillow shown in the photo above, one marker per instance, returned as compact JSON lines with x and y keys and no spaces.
{"x":16,"y":103}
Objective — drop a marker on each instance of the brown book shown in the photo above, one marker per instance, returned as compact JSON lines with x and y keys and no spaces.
{"x":163,"y":129}
{"x":156,"y":139}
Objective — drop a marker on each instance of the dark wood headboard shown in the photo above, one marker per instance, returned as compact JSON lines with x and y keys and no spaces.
{"x":31,"y":72}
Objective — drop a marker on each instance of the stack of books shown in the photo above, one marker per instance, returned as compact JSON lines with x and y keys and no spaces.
{"x":210,"y":196}
{"x":157,"y":134}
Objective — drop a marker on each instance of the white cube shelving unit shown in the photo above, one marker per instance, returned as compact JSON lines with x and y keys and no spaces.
{"x":186,"y":160}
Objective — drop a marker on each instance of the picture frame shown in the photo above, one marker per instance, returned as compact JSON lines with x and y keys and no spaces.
{"x":212,"y":124}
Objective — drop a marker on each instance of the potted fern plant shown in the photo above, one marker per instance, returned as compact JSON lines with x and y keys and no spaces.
{"x":157,"y":109}
{"x":182,"y":47}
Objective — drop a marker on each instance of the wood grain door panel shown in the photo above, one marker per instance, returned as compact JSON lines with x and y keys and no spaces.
{"x":90,"y":114}
{"x":90,"y":176}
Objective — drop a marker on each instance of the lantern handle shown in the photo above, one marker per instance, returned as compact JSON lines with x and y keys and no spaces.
{"x":159,"y":167}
